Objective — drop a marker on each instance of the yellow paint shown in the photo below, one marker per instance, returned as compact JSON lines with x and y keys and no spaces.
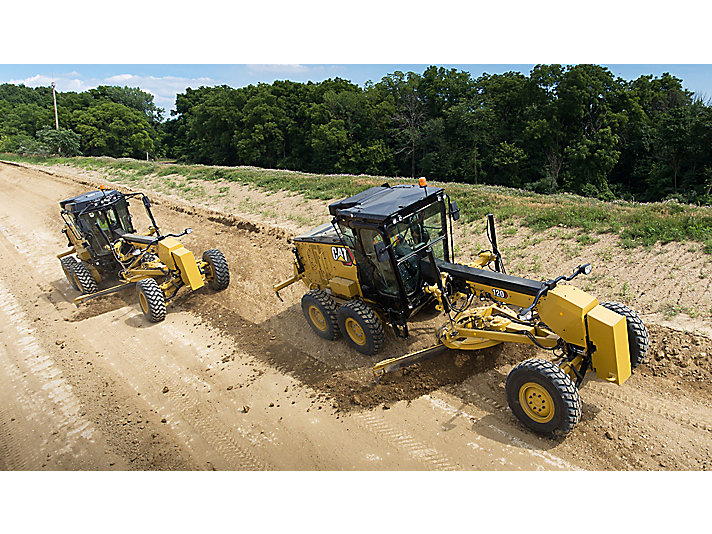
{"x":326,"y":267}
{"x":317,"y":318}
{"x":563,"y":309}
{"x":355,"y":332}
{"x":536,"y":402}
{"x":175,"y":256}
{"x":609,"y":334}
{"x":344,"y":287}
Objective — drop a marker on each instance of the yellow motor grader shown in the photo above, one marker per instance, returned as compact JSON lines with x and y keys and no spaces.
{"x":389,"y":251}
{"x":104,"y":246}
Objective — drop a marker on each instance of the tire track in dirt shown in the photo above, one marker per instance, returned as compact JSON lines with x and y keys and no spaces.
{"x":13,"y":456}
{"x":40,"y":364}
{"x":45,"y":397}
{"x":188,"y":417}
{"x":649,"y":406}
{"x":428,"y":455}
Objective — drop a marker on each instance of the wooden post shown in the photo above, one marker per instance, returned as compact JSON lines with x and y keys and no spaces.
{"x":56,"y":118}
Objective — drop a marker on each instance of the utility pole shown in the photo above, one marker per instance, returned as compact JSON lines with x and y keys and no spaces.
{"x":56,"y":118}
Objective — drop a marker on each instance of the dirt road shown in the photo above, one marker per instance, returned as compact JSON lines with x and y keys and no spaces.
{"x":237,"y":380}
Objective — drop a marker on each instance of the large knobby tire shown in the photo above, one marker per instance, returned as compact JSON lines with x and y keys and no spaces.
{"x":638,"y":337}
{"x":361,"y":327}
{"x":543,"y":397}
{"x":218,"y":275}
{"x":151,"y":300}
{"x":320,"y":312}
{"x":83,"y":279}
{"x":68,"y":263}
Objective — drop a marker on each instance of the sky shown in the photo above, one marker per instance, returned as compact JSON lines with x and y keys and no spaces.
{"x":165,"y":81}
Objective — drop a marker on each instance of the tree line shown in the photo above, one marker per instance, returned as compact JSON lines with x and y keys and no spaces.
{"x":572,"y":128}
{"x":106,"y":121}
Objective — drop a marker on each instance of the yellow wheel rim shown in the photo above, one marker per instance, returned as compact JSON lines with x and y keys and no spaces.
{"x":355,"y":331}
{"x":142,"y":301}
{"x":536,"y":402}
{"x":317,"y":318}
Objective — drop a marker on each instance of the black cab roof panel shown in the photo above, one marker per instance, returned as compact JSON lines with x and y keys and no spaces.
{"x":78,"y":203}
{"x":379,"y":203}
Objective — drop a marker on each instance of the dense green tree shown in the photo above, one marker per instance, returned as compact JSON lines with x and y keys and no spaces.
{"x":62,"y":141}
{"x":113,"y":129}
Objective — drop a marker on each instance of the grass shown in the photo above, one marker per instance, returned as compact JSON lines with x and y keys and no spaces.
{"x":587,"y":239}
{"x":637,"y":224}
{"x":670,"y":310}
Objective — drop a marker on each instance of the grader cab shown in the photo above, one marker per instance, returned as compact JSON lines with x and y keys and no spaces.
{"x":104,"y":247}
{"x":389,"y":251}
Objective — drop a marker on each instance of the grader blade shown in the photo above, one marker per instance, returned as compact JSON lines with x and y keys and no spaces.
{"x":81,"y":299}
{"x":393,"y":364}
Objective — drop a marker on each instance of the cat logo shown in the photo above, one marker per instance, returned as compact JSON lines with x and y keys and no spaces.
{"x":342,"y":254}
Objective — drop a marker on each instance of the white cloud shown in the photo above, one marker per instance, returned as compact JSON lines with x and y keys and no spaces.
{"x":163,"y":88}
{"x":278,"y":69}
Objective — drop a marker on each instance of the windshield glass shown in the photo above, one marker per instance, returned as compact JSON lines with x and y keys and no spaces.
{"x":413,"y":233}
{"x":417,"y":230}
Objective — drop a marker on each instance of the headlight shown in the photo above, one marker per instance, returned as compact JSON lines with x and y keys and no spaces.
{"x":525,"y":315}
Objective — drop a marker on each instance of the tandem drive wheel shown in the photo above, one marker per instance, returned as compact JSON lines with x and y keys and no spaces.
{"x":68,"y":263}
{"x":361,"y":327}
{"x":320,"y":312}
{"x":543,"y":397}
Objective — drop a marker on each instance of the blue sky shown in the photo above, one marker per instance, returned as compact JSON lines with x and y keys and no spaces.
{"x":165,"y":81}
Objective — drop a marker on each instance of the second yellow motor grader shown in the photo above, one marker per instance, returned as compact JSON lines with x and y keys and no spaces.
{"x":389,"y":251}
{"x":104,"y":246}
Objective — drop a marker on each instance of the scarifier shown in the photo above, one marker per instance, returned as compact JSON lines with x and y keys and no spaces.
{"x":104,"y":247}
{"x":389,"y":251}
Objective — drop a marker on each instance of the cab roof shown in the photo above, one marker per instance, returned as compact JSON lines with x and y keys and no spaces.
{"x":378,"y":204}
{"x":80,"y":202}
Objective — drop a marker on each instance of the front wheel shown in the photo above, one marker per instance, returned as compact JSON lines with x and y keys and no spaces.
{"x":218,"y":273}
{"x":543,"y":397}
{"x":151,"y":300}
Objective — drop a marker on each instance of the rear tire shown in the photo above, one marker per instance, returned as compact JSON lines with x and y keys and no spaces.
{"x":218,"y":275}
{"x":68,"y":263}
{"x":543,"y":397}
{"x":320,"y":311}
{"x":638,"y":337}
{"x":83,"y":279}
{"x":361,"y":327}
{"x":151,"y":300}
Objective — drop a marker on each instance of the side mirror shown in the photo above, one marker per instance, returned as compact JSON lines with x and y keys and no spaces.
{"x":454,"y":211}
{"x":381,"y":251}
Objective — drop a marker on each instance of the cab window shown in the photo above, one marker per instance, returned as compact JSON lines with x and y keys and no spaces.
{"x":380,"y":274}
